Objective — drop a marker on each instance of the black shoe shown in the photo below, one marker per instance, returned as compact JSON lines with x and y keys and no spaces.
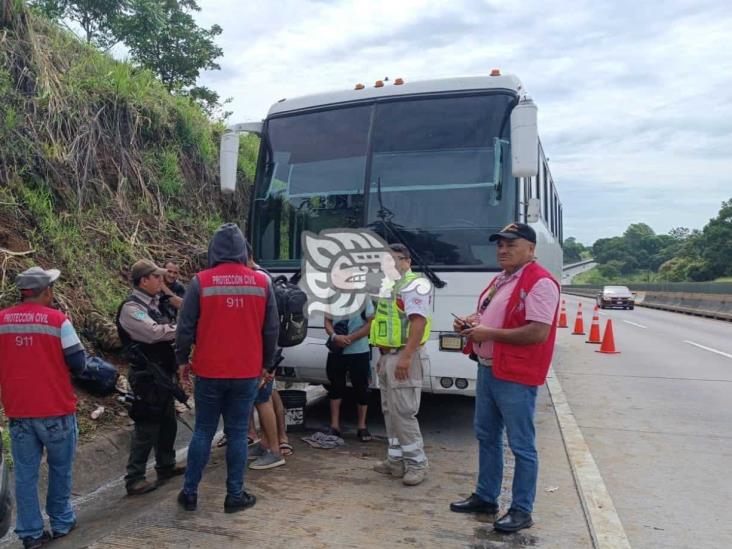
{"x":56,"y":535}
{"x":165,"y":475}
{"x":474,"y":504}
{"x":363,"y":435}
{"x":244,"y":501}
{"x":35,"y":543}
{"x":513,"y":521}
{"x":188,"y":501}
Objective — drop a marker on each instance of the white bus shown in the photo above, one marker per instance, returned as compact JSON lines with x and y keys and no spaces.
{"x":437,"y":164}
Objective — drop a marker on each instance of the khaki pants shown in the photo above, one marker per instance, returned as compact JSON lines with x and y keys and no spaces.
{"x":400,"y":403}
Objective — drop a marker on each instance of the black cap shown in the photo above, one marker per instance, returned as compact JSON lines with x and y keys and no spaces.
{"x":514,"y":231}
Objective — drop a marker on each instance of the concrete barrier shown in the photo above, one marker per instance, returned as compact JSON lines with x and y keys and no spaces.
{"x":710,"y":305}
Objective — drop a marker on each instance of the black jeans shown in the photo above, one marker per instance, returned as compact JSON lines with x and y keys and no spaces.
{"x":159,"y":434}
{"x":357,"y":366}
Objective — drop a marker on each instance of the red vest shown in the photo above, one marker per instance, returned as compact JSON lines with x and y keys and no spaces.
{"x":525,"y":364}
{"x":233,"y":301}
{"x":34,"y":378}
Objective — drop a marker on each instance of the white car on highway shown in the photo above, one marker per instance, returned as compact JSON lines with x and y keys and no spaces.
{"x":616,"y":296}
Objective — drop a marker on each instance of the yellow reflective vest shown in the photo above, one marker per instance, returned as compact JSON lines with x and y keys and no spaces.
{"x":390,"y":327}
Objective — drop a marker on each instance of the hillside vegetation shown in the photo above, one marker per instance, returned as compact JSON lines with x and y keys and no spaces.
{"x":641,"y":255}
{"x":99,"y":166}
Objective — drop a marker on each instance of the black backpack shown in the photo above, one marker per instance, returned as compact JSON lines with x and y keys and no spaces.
{"x":291,"y":301}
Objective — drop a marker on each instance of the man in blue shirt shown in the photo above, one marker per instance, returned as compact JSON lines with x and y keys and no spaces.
{"x":350,"y":354}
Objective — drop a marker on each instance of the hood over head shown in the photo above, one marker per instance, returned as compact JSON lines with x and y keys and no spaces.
{"x":227,"y":245}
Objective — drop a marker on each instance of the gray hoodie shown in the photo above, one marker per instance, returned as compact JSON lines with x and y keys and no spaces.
{"x":227,"y":246}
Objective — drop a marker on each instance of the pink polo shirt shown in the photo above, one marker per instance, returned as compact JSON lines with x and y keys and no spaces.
{"x":541,"y":304}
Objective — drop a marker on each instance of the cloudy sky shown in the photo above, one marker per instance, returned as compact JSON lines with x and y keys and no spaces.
{"x":635,"y":97}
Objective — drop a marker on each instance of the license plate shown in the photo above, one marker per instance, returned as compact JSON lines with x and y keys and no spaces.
{"x":451,"y":342}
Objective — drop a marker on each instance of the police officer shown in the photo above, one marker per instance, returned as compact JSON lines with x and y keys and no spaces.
{"x":147,"y":335}
{"x":230,"y":313}
{"x":38,"y":347}
{"x":400,"y":329}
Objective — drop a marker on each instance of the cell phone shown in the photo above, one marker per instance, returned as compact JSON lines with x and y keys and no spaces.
{"x":466,"y":326}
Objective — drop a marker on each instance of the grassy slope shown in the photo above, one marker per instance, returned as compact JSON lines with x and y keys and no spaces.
{"x":99,"y":166}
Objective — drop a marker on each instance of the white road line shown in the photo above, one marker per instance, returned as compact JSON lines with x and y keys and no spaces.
{"x":605,"y":527}
{"x":708,"y":349}
{"x":635,"y":324}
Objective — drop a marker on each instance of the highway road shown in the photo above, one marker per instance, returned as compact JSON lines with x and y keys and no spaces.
{"x":658,"y":420}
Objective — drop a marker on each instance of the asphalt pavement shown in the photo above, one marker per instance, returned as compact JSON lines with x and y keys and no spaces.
{"x":658,"y":421}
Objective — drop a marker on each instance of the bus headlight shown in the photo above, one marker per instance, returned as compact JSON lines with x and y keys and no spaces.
{"x":461,"y":383}
{"x":446,"y":382}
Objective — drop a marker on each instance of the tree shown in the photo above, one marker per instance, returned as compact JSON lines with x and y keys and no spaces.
{"x":716,"y":240}
{"x":163,"y":37}
{"x":99,"y":19}
{"x":573,"y":250}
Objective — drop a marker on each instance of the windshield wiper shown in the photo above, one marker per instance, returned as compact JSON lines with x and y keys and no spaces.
{"x":386,"y":215}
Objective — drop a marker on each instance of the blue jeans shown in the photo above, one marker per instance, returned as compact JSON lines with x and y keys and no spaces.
{"x":500,"y":404}
{"x":233,"y":399}
{"x":28,"y":437}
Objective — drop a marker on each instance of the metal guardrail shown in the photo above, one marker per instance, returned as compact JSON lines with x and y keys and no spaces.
{"x":578,"y":264}
{"x":716,"y":302}
{"x":670,"y":287}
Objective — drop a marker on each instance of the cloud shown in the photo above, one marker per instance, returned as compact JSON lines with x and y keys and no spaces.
{"x":634,"y":98}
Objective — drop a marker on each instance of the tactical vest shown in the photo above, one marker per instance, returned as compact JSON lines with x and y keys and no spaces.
{"x":161,"y":353}
{"x":390,"y":327}
{"x":34,"y":377}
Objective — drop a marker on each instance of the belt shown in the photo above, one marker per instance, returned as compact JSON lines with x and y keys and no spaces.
{"x":487,"y":362}
{"x":390,"y":350}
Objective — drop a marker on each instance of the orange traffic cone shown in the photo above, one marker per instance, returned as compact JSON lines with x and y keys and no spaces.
{"x":579,"y":325}
{"x":608,"y":340}
{"x":563,"y":317}
{"x":595,"y":328}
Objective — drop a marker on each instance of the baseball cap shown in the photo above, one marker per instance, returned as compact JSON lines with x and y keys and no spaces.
{"x":36,"y":279}
{"x":514,"y":231}
{"x":145,"y":267}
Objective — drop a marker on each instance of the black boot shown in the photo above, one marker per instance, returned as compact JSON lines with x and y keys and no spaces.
{"x":244,"y":501}
{"x":189,"y":502}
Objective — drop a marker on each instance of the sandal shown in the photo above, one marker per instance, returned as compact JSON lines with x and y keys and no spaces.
{"x":286,"y":449}
{"x":364,"y":435}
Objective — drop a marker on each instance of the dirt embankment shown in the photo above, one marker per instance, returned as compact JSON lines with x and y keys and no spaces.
{"x":99,"y":166}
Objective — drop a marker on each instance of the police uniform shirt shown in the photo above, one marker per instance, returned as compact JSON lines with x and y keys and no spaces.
{"x":136,"y":321}
{"x":416,"y":303}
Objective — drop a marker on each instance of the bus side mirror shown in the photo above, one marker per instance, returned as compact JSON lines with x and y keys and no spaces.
{"x":228,"y":159}
{"x":524,"y":139}
{"x":229,"y":153}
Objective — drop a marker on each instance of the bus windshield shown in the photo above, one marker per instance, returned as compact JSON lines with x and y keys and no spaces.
{"x":434,"y":172}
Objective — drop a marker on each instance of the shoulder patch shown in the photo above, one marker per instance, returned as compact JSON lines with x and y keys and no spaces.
{"x":139,"y":315}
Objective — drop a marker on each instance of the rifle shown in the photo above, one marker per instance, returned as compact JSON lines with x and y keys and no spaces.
{"x":161,"y":379}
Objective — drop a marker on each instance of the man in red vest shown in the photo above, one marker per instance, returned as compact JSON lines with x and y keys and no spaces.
{"x":512,"y":337}
{"x":38,"y":347}
{"x":230,"y":313}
